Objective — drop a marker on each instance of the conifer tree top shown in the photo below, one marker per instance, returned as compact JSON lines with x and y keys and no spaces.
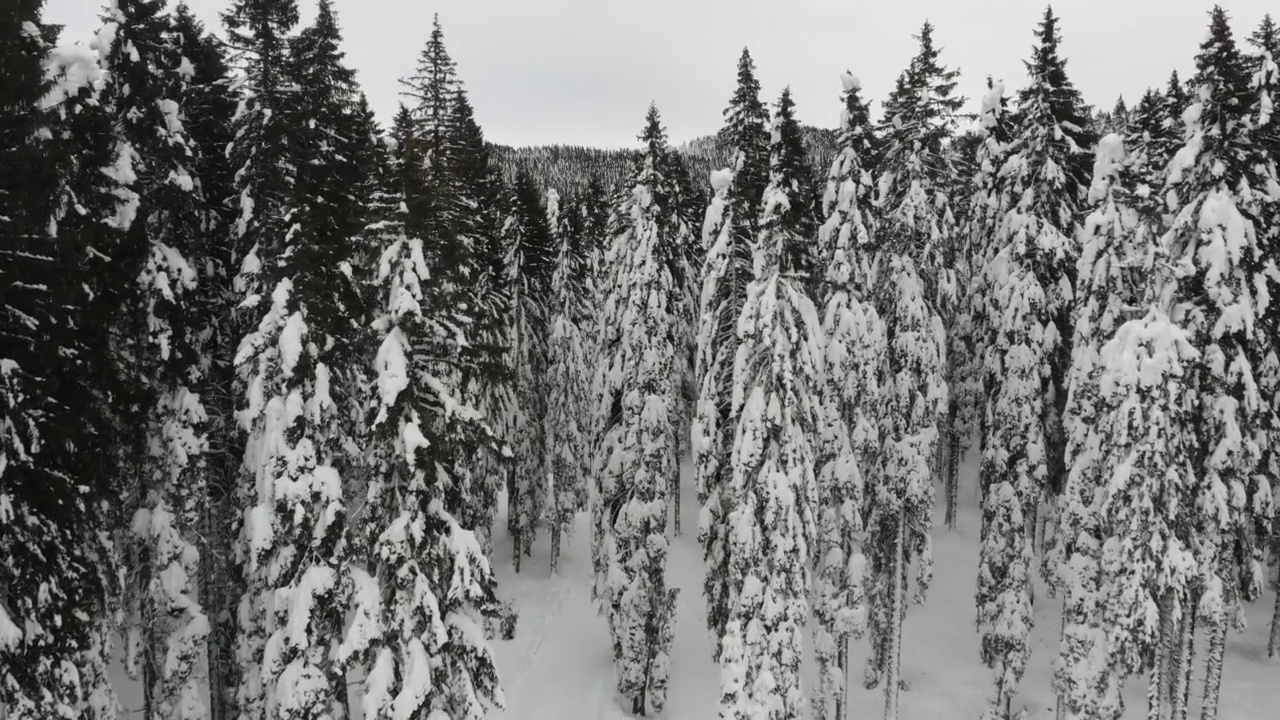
{"x":789,"y":166}
{"x":745,"y":103}
{"x":654,"y":136}
{"x":1267,"y":37}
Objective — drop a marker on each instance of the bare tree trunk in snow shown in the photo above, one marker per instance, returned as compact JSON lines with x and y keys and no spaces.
{"x":1273,"y":644}
{"x":842,"y":662}
{"x":1213,"y":668}
{"x":1158,"y":681}
{"x":555,"y":543}
{"x":893,"y":649}
{"x":675,"y":501}
{"x":1185,"y":661}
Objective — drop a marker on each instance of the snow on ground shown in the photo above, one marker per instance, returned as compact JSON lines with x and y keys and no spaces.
{"x":559,"y":666}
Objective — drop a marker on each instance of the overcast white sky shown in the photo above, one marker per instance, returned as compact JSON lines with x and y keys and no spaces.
{"x":583,"y":71}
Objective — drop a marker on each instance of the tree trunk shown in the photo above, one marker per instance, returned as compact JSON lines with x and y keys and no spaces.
{"x":1157,"y":682}
{"x":893,"y":649}
{"x":1060,"y":708}
{"x":951,"y":479}
{"x":1167,"y":649}
{"x":1273,"y":645}
{"x":1185,"y":662}
{"x":555,"y":544}
{"x":842,"y":663}
{"x":1213,"y":668}
{"x":675,"y":502}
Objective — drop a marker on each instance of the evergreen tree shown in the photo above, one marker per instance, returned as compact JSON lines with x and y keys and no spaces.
{"x":208,"y":105}
{"x":917,"y":233}
{"x":772,"y":489}
{"x":848,"y":427}
{"x":568,"y":382}
{"x":1213,"y":236}
{"x":146,"y":79}
{"x":437,"y":207}
{"x":430,"y":581}
{"x":1045,"y":177}
{"x":1266,"y":44}
{"x":531,"y":260}
{"x":914,"y":397}
{"x":729,"y":229}
{"x":916,"y":182}
{"x":969,"y":337}
{"x":635,"y":456}
{"x":920,"y":118}
{"x":292,"y":550}
{"x":1121,"y":556}
{"x":62,"y":210}
{"x":1013,"y":467}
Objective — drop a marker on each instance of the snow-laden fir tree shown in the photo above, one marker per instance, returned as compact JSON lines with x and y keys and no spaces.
{"x":1043,"y":178}
{"x":913,"y":397}
{"x":1123,"y":568}
{"x":848,"y":430}
{"x":292,"y":551}
{"x":530,"y":265}
{"x":568,"y":378}
{"x":455,"y":197}
{"x":916,"y":233}
{"x":968,"y":337}
{"x":208,"y":104}
{"x":728,"y":232}
{"x":61,"y":204}
{"x":1215,"y":187}
{"x":917,"y":178}
{"x":1266,"y":83}
{"x":146,"y":78}
{"x":636,"y":445}
{"x":333,"y":146}
{"x":915,"y":171}
{"x":1013,"y":466}
{"x":429,"y":589}
{"x":771,"y":492}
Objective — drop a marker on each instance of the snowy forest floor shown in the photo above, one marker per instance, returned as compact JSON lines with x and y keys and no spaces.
{"x":559,"y":666}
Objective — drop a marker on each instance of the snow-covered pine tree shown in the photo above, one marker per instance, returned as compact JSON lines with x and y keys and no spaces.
{"x":482,"y":187}
{"x":333,"y":147}
{"x":1266,"y":43}
{"x":688,"y":207}
{"x":429,"y":588}
{"x":914,"y":397}
{"x":208,"y":104}
{"x":1122,"y":565}
{"x":145,"y":80}
{"x":568,"y":380}
{"x":437,"y":208}
{"x":59,"y":217}
{"x":916,"y":180}
{"x":968,"y":339}
{"x":456,"y":198}
{"x":772,"y":491}
{"x":917,"y":233}
{"x":1012,"y":469}
{"x":728,"y":232}
{"x":531,"y":262}
{"x":292,"y":550}
{"x":1214,"y":185}
{"x":848,"y":430}
{"x":1045,"y":177}
{"x":636,"y":445}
